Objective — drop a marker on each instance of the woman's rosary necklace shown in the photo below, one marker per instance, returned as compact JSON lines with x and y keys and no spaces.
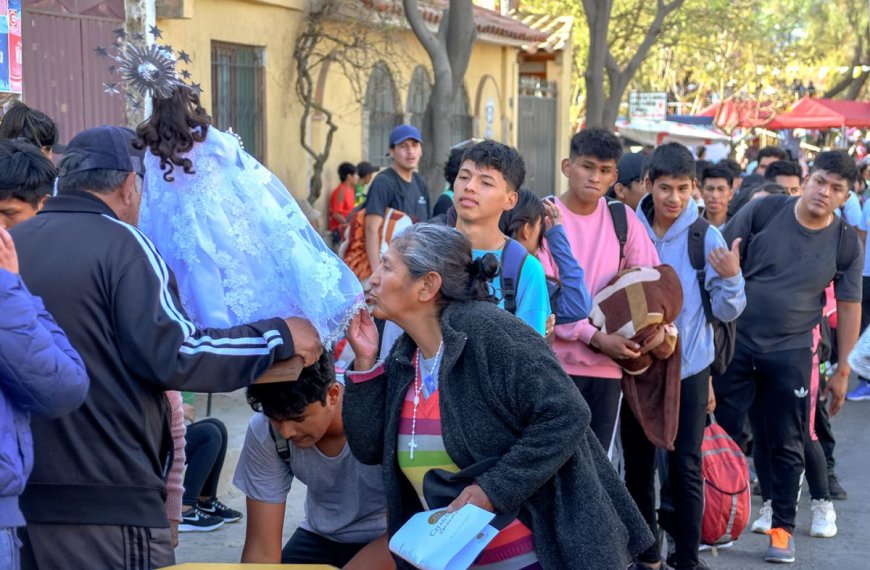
{"x":419,"y":381}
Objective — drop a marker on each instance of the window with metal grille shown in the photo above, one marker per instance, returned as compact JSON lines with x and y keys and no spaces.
{"x":384,"y":112}
{"x":418,"y":96}
{"x":463,"y":123}
{"x":238,"y":94}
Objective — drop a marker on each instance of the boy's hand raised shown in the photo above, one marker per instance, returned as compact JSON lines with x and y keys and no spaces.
{"x":725,"y":262}
{"x":362,"y":334}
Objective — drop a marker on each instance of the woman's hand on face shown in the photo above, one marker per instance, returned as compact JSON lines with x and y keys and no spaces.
{"x":471,"y":495}
{"x":363,"y":337}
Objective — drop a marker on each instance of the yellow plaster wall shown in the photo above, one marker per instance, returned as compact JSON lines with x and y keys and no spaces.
{"x":272,"y":25}
{"x":492,"y":74}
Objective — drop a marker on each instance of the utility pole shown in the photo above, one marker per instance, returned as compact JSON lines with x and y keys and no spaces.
{"x":141,"y":15}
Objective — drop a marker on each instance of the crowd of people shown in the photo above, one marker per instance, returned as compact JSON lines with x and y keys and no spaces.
{"x":549,"y":355}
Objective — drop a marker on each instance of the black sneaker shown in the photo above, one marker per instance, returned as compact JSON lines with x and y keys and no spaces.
{"x":218,"y":509}
{"x":838,"y":493}
{"x":195,"y":520}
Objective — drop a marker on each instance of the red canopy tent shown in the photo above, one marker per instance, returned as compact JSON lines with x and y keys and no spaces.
{"x":809,"y":113}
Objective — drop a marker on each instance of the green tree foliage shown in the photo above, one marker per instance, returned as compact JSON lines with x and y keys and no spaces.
{"x":713,"y":49}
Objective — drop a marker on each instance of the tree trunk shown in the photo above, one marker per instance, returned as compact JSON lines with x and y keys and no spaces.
{"x":598,"y":21}
{"x":602,"y":111}
{"x":449,"y":51}
{"x":848,"y":80}
{"x":855,"y":88}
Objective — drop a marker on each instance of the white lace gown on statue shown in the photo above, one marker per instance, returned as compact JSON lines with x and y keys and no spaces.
{"x":240,"y":247}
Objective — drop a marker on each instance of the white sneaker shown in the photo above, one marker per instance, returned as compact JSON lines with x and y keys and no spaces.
{"x":824,"y":519}
{"x":762,"y":524}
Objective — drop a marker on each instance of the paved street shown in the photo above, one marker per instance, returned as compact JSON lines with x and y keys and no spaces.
{"x":849,"y":550}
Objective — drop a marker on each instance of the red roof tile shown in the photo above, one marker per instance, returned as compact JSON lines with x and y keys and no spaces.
{"x":487,"y":21}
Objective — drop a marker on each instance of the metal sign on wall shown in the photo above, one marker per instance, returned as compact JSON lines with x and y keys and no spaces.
{"x":10,"y":46}
{"x":652,"y":106}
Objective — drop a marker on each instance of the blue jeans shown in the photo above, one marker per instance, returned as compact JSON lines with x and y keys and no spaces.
{"x":9,"y":548}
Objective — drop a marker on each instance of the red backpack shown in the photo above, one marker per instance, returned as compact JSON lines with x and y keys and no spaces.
{"x":726,"y":487}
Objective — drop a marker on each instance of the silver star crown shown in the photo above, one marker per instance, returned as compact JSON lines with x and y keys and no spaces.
{"x":146,"y":69}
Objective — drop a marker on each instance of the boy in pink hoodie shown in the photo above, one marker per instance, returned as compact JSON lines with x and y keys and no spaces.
{"x":586,"y":353}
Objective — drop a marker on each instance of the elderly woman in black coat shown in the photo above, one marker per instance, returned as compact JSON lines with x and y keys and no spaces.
{"x":470,"y":384}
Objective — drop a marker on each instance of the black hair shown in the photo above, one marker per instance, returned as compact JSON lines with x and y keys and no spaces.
{"x":733,"y":166}
{"x":782,"y":168}
{"x":718,"y":171}
{"x":771,"y":188}
{"x":25,"y":173}
{"x":101,"y":181}
{"x":700,"y":167}
{"x":451,"y":167}
{"x":172,"y":129}
{"x":462,"y":279}
{"x":596,"y":143}
{"x":35,"y":126}
{"x":671,"y":159}
{"x":286,"y":401}
{"x":836,"y":162}
{"x":644,"y":169}
{"x":528,"y":210}
{"x":769,"y":151}
{"x":345,"y":169}
{"x":500,"y":157}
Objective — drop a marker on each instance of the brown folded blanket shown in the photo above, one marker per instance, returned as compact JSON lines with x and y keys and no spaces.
{"x":639,"y":304}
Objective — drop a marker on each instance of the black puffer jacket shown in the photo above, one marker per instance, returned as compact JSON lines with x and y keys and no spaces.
{"x":504,"y":394}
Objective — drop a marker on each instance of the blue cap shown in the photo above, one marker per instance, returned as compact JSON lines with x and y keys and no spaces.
{"x":107,"y":148}
{"x":404,"y":132}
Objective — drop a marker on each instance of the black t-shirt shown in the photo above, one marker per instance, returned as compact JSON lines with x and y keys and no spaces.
{"x":389,"y":190}
{"x":787,"y":267}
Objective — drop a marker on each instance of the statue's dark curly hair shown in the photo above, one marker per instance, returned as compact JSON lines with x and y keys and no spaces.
{"x":172,"y":129}
{"x":286,"y":401}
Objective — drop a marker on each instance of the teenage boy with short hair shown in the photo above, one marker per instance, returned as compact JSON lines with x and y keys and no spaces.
{"x":398,"y":187}
{"x":585,"y":352}
{"x":341,"y":201}
{"x":767,"y":156}
{"x":489,"y":176}
{"x":670,"y":217}
{"x":26,"y":181}
{"x":629,"y":187}
{"x":365,"y":171}
{"x":787,"y":174}
{"x":717,"y":192}
{"x":298,"y":433}
{"x":770,"y":374}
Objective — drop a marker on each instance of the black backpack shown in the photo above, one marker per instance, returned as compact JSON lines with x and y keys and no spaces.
{"x":513,"y":257}
{"x":281,"y":445}
{"x":724,"y":334}
{"x":620,"y":226}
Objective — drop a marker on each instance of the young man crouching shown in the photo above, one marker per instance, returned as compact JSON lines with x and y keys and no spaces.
{"x":297,"y":432}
